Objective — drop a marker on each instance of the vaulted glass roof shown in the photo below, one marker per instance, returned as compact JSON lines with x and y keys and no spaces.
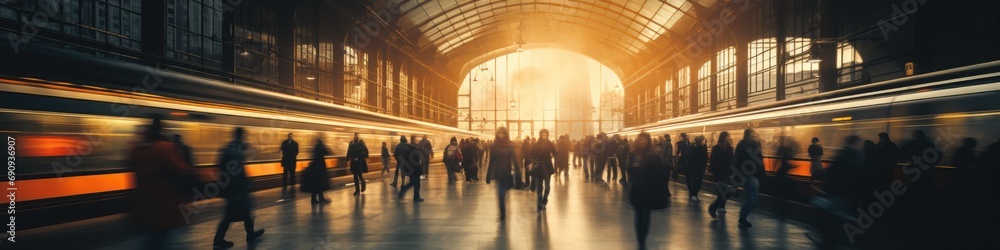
{"x":625,"y":25}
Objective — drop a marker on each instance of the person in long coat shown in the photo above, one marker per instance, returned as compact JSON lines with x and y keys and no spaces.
{"x":647,"y":188}
{"x":469,"y":163}
{"x":289,"y":154}
{"x":237,"y":192}
{"x":503,"y":161}
{"x":697,"y":161}
{"x":357,"y":155}
{"x":315,"y":179}
{"x":428,"y":150}
{"x":156,"y":196}
{"x":563,"y":147}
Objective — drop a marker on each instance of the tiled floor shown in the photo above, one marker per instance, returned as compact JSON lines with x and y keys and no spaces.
{"x":580,"y":215}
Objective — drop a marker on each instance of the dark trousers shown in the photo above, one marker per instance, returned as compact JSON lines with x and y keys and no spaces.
{"x":359,"y":182}
{"x":220,"y":232}
{"x":396,"y":176}
{"x":415,"y":184}
{"x":725,"y":188}
{"x":543,"y":184}
{"x":450,"y":167}
{"x":612,"y":169}
{"x":502,"y":198}
{"x":622,"y":168}
{"x":527,"y":176}
{"x":471,"y":172}
{"x":599,"y":168}
{"x":642,"y":221}
{"x":288,"y":176}
{"x":693,"y":178}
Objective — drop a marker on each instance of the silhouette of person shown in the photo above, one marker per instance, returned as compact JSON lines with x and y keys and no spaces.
{"x":289,"y":156}
{"x":648,"y":185}
{"x":357,"y":155}
{"x":237,"y":192}
{"x":315,"y":179}
{"x":157,"y":162}
{"x":502,"y":162}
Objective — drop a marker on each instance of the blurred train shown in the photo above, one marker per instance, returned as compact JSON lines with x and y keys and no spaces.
{"x":73,"y":120}
{"x":947,"y":105}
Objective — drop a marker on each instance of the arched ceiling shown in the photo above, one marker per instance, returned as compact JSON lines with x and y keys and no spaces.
{"x":455,"y":32}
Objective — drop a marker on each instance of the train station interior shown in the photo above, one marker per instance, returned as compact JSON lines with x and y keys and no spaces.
{"x":649,"y":124}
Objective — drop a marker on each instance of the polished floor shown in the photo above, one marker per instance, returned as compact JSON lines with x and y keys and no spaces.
{"x":580,"y":215}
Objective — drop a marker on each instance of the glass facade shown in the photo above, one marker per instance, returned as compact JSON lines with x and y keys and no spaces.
{"x":541,"y":88}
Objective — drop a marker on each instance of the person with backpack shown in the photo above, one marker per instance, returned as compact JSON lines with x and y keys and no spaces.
{"x":452,"y":159}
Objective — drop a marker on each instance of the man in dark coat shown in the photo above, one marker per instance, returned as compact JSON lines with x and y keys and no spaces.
{"x":357,"y":155}
{"x":428,"y":150}
{"x":563,"y":147}
{"x":470,"y":160}
{"x":237,"y":192}
{"x":748,"y":160}
{"x":289,"y":152}
{"x":410,"y":159}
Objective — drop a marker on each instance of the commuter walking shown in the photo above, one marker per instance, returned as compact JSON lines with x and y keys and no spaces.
{"x":647,"y":188}
{"x":563,"y":147}
{"x":667,"y":156}
{"x":428,"y":150}
{"x":502,"y":162}
{"x":395,"y":153}
{"x":599,"y":150}
{"x":157,"y":165}
{"x":526,"y":151}
{"x":622,"y":159}
{"x":695,"y":171}
{"x":385,"y":159}
{"x":452,"y":159}
{"x":237,"y":193}
{"x":683,"y":149}
{"x":542,"y":154}
{"x":315,"y":179}
{"x":357,"y":155}
{"x":469,"y":163}
{"x":721,"y":166}
{"x":410,"y":158}
{"x":749,"y":160}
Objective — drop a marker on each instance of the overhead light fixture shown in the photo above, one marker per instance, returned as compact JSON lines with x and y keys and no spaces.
{"x":244,"y":53}
{"x":310,"y":78}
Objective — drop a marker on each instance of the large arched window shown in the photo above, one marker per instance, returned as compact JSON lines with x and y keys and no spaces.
{"x":705,"y":87}
{"x":684,"y":90}
{"x":726,"y":78}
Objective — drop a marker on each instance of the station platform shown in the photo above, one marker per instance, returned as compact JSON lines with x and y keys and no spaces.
{"x":580,"y":215}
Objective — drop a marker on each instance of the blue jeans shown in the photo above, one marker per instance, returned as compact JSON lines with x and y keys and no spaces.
{"x":751,"y":188}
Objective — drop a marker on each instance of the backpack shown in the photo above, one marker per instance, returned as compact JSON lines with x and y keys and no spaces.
{"x":452,"y":152}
